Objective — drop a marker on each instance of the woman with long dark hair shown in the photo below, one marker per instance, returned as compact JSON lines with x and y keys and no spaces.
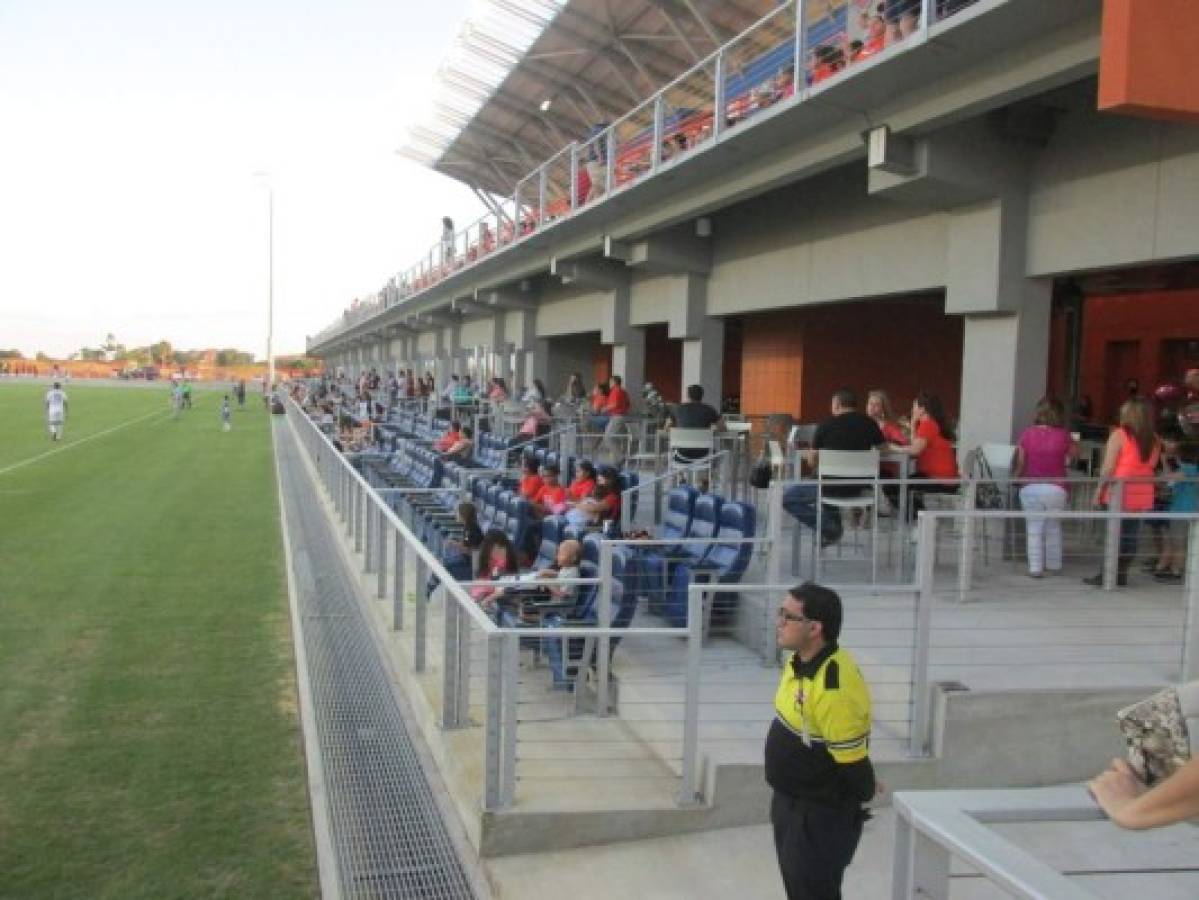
{"x":497,"y":558}
{"x":1129,"y":459}
{"x":933,"y":450}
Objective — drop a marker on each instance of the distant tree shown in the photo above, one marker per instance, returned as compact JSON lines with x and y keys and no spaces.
{"x":11,"y":354}
{"x":161,"y":351}
{"x":233,"y":357}
{"x":187,"y":357}
{"x":89,"y":355}
{"x":42,"y":357}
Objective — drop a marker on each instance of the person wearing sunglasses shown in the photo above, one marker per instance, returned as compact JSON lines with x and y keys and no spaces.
{"x":817,"y":749}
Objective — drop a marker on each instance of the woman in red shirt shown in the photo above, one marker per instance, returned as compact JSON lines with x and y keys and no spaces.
{"x":551,"y":498}
{"x":584,"y":484}
{"x":530,"y":480}
{"x":603,"y":506}
{"x":932,"y":446}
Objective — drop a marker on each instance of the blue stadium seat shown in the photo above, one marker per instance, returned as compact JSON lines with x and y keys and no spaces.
{"x":724,"y":564}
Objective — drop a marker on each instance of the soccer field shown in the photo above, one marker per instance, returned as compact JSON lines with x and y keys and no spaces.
{"x":149,"y":738}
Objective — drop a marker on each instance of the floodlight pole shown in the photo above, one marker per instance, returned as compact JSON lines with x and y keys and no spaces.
{"x":270,"y":286}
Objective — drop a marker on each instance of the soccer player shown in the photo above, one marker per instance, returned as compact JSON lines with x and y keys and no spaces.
{"x":226,"y":415}
{"x":56,"y":411}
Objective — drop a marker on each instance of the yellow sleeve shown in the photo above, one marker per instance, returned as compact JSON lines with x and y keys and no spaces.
{"x":843,"y":718}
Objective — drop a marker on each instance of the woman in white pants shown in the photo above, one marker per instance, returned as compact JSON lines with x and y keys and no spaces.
{"x":1042,"y":455}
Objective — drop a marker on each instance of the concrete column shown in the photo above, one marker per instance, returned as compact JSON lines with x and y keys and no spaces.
{"x":539,"y":360}
{"x":628,"y":360}
{"x":703,"y":361}
{"x":1005,"y":360}
{"x":1005,"y":348}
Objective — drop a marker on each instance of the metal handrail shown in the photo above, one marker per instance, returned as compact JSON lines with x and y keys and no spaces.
{"x":349,"y":491}
{"x":429,"y":559}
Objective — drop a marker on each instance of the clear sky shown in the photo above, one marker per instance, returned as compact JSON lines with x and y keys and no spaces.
{"x":131,"y":132}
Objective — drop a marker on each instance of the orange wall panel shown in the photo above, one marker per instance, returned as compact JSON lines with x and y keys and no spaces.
{"x":792,"y":361}
{"x":1148,"y":320}
{"x":1148,"y":65}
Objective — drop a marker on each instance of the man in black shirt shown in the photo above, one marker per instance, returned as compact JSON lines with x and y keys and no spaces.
{"x":848,"y":429}
{"x":693,"y":414}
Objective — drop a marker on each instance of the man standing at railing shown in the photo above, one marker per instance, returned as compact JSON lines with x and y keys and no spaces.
{"x":616,"y":409}
{"x":817,"y":749}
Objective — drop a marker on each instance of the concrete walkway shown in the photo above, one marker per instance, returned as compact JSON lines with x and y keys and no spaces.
{"x":740,"y":862}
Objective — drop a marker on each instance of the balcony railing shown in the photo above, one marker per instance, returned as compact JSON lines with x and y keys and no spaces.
{"x":825,"y":40}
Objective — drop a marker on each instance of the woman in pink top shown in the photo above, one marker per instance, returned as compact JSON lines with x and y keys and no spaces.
{"x":1132,"y":452}
{"x":1041,"y":458}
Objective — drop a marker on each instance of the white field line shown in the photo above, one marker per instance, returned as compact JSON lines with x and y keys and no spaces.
{"x":74,"y":444}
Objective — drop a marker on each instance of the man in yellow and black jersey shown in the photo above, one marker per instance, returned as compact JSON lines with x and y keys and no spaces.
{"x":817,"y":749}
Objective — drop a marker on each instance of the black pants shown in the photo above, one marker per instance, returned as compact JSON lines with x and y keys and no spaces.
{"x":814,"y":845}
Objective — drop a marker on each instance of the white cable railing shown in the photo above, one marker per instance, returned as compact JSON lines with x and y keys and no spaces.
{"x":391,"y":552}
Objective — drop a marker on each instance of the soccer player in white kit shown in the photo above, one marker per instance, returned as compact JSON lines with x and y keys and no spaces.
{"x":56,"y":411}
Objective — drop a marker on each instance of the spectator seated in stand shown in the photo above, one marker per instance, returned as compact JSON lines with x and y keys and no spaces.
{"x":584,"y":484}
{"x":530,"y":478}
{"x":462,"y":450}
{"x":497,"y":559}
{"x":456,"y":552}
{"x":602,"y":507}
{"x":693,"y":414}
{"x":546,"y":598}
{"x":550,"y":498}
{"x":850,"y":430}
{"x":876,"y":40}
{"x":450,"y":438}
{"x":829,"y":60}
{"x":537,"y":422}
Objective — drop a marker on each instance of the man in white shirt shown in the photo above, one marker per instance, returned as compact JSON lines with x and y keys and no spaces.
{"x":56,"y":411}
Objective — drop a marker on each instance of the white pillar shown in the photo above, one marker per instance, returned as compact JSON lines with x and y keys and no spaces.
{"x":1005,"y":361}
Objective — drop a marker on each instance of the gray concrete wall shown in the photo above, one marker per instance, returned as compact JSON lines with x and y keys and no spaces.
{"x":570,"y":353}
{"x":566,"y":310}
{"x":822,"y":241}
{"x":1113,"y":191}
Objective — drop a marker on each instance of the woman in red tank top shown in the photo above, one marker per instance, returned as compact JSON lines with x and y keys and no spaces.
{"x":1131,"y":455}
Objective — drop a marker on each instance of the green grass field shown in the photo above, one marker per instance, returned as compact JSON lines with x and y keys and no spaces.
{"x":149,"y":737}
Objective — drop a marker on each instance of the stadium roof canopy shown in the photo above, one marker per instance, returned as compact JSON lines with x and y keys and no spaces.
{"x":527,"y":77}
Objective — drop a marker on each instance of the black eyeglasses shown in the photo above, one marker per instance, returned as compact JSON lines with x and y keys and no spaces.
{"x":792,"y":617}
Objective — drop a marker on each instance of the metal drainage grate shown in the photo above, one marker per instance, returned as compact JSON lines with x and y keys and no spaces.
{"x":388,"y":832}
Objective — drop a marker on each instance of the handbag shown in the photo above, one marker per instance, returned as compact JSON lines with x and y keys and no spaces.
{"x":760,"y":473}
{"x":1161,"y":730}
{"x":987,"y":494}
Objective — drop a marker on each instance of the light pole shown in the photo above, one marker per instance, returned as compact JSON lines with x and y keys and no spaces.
{"x":265,"y":180}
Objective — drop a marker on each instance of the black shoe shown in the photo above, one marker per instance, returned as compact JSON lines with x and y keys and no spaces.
{"x":1168,"y":577}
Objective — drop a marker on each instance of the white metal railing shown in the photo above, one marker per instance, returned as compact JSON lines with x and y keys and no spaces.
{"x":390,"y":548}
{"x":631,"y":148}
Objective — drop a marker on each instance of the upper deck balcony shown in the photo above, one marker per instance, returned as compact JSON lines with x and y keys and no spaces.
{"x":723,"y":116}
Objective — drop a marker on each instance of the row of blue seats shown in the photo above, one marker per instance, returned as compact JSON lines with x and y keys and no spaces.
{"x":664,"y":572}
{"x":417,"y":426}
